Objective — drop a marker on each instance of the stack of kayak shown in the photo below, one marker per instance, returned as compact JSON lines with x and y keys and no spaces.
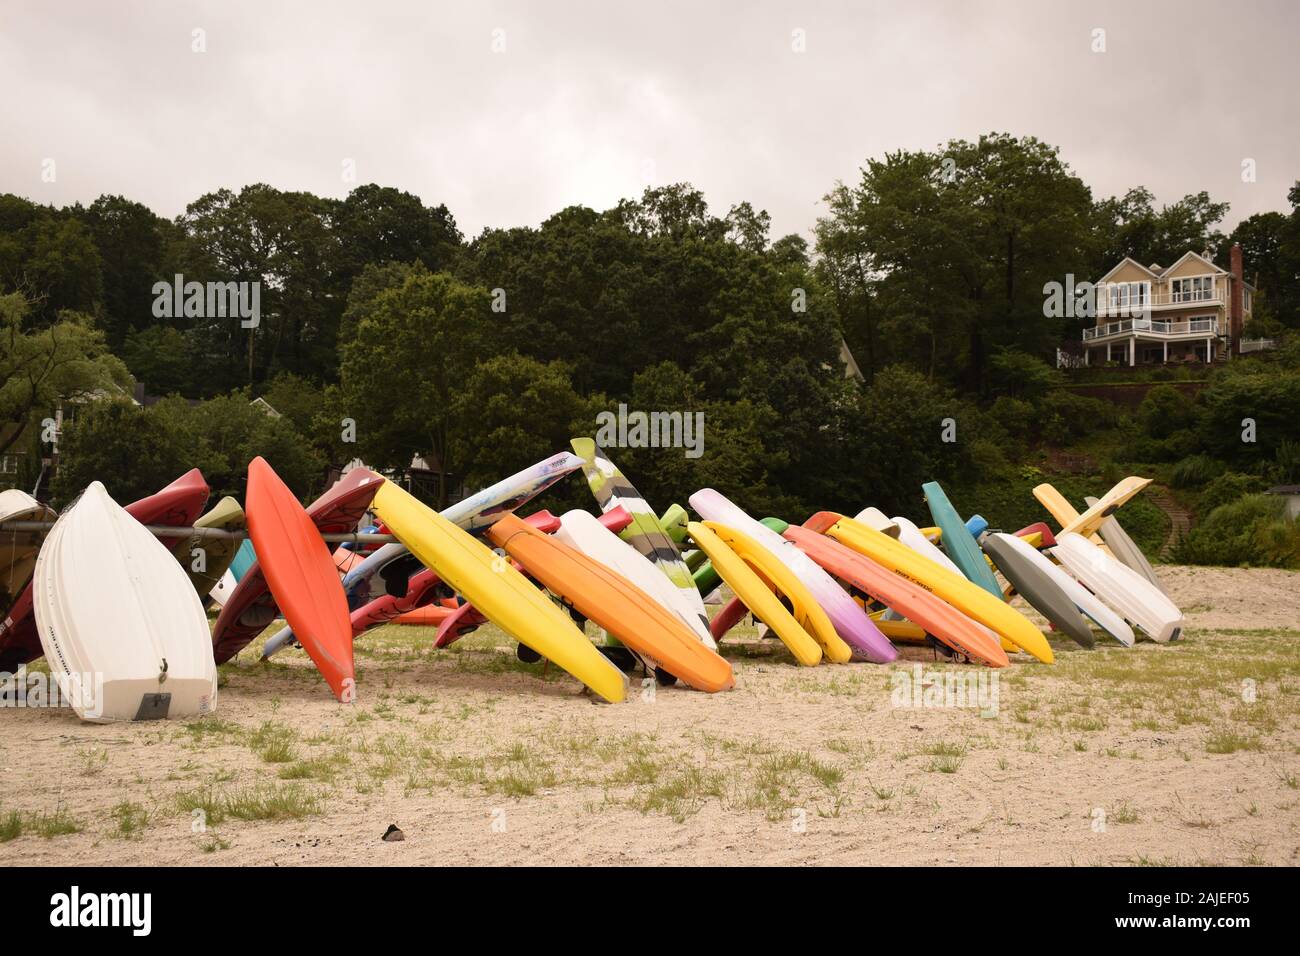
{"x":114,"y":597}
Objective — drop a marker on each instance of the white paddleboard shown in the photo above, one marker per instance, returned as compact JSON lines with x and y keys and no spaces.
{"x":122,"y":628}
{"x":1083,"y":599}
{"x":1132,"y":595}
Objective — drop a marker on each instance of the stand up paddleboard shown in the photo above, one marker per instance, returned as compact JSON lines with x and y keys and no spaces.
{"x":612,"y":490}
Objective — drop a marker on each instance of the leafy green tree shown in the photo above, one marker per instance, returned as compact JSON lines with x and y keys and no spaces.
{"x":1131,"y":226}
{"x":63,"y":361}
{"x":133,"y":451}
{"x":943,"y":256}
{"x":512,"y":411}
{"x":132,"y":244}
{"x":161,"y":357}
{"x":410,"y":350}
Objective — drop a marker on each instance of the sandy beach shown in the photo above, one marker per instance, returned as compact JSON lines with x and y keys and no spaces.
{"x":1180,"y":754}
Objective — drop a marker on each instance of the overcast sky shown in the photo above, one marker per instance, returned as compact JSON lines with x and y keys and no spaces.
{"x":589,"y":102}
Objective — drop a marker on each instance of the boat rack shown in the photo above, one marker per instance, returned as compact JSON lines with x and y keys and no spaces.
{"x":173,"y":531}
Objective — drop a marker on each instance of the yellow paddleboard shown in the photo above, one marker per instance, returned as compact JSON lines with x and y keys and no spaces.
{"x":778,"y":577}
{"x":495,"y":588}
{"x":1059,"y":507}
{"x":966,"y":597}
{"x":755,"y":593}
{"x":1087,"y":523}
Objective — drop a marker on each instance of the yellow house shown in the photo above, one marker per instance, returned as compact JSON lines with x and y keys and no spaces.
{"x":1191,"y":311}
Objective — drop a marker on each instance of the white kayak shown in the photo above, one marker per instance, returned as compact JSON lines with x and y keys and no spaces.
{"x":583,"y":532}
{"x":1083,"y":599}
{"x":1132,"y":595}
{"x":122,"y":628}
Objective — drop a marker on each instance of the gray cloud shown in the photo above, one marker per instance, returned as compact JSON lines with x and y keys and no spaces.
{"x":590,"y":101}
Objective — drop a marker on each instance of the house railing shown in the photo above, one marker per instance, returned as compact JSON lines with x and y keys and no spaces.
{"x":1155,"y":327}
{"x":1131,"y":301}
{"x":1257,"y":345}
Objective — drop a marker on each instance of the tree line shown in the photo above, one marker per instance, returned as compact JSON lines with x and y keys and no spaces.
{"x":385,"y":332}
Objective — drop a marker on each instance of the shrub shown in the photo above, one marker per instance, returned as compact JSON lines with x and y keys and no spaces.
{"x":1164,"y":411}
{"x":1194,"y":471}
{"x":1253,"y":530}
{"x":1225,"y":489}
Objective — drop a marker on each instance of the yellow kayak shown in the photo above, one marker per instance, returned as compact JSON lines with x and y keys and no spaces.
{"x":779,"y":577}
{"x":968,"y":598}
{"x":503,"y":595}
{"x":756,"y":593}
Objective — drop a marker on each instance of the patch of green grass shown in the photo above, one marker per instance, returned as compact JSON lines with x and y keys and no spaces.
{"x":1124,"y":814}
{"x":11,"y":826}
{"x":683,"y":792}
{"x":1227,"y":742}
{"x":130,"y":818}
{"x":58,"y":823}
{"x":290,"y":802}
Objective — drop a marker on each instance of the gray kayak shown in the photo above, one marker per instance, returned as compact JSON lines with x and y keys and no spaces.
{"x":1125,"y":549}
{"x":1034,"y":585}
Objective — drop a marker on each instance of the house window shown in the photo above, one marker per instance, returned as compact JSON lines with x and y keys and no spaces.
{"x":1195,"y":289}
{"x":1129,"y":297}
{"x":8,"y":464}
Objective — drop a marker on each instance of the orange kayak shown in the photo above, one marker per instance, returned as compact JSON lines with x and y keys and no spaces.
{"x":301,"y":574}
{"x":614,"y":603}
{"x":431,"y":615}
{"x":936,"y":616}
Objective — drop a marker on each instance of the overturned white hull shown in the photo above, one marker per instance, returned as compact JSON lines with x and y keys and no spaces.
{"x":123,"y":630}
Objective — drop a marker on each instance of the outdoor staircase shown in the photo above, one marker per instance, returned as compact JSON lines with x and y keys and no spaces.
{"x":1180,"y":519}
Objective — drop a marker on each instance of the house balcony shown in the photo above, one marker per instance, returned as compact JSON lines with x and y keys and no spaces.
{"x":1162,"y":300}
{"x":1159,"y":329}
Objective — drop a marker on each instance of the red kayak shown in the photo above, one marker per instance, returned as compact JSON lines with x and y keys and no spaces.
{"x":936,"y":616}
{"x":179,"y":504}
{"x":252,"y":607}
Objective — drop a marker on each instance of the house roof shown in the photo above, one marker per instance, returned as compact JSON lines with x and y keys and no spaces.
{"x":1119,"y":265}
{"x":1196,"y":255}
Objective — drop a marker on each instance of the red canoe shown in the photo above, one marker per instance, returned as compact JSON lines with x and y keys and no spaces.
{"x":936,"y":616}
{"x":179,"y":504}
{"x":252,"y":607}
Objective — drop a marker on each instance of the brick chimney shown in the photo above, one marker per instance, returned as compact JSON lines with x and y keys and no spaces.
{"x":1235,"y":301}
